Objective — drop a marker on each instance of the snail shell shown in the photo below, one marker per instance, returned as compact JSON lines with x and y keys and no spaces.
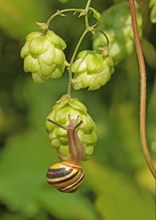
{"x":65,"y":177}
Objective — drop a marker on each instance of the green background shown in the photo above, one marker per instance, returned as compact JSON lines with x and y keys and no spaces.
{"x":117,"y":185}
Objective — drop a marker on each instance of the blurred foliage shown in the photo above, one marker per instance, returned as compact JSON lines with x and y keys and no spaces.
{"x":117,"y":27}
{"x":153,"y":10}
{"x":118,"y":185}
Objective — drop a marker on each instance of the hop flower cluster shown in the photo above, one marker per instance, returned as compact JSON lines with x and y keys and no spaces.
{"x":43,"y":56}
{"x":92,"y":70}
{"x":86,"y":131}
{"x":116,"y":23}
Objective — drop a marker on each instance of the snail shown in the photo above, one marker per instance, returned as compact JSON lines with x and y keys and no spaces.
{"x":67,"y":175}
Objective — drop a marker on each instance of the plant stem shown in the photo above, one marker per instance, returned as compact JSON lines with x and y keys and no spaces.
{"x":86,"y":15}
{"x":142,"y":90}
{"x":88,"y":28}
{"x":72,"y":60}
{"x":60,"y":12}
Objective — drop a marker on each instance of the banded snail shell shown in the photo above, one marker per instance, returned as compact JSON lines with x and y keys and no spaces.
{"x":65,"y":177}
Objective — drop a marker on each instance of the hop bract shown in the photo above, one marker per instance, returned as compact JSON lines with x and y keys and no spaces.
{"x":86,"y":131}
{"x":43,"y":56}
{"x":92,"y":70}
{"x":117,"y":25}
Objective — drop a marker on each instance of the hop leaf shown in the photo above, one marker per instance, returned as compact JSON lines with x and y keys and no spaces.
{"x":60,"y":114}
{"x":92,"y":70}
{"x":43,"y":56}
{"x":116,"y":23}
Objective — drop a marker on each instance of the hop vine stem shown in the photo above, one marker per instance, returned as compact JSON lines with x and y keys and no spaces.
{"x":87,"y":29}
{"x":72,"y":60}
{"x":86,"y":16}
{"x":61,"y":13}
{"x":142,"y":69}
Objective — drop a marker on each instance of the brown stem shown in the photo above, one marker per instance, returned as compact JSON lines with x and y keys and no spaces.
{"x":142,"y":89}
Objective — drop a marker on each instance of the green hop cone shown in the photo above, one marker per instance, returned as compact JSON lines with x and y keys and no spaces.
{"x":92,"y":70}
{"x":86,"y":131}
{"x":43,"y":56}
{"x":117,"y":25}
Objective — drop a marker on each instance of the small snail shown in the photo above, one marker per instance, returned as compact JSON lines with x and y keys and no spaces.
{"x":67,"y":175}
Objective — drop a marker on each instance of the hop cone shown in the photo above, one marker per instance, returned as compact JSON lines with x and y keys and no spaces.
{"x":117,"y":25}
{"x":43,"y":56}
{"x":86,"y":131}
{"x":92,"y":70}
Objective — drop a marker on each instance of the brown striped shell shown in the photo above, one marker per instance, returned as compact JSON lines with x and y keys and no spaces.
{"x":65,"y":177}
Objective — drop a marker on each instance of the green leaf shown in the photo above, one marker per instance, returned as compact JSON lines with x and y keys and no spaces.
{"x":8,"y":216}
{"x":23,"y":166}
{"x":152,"y":5}
{"x":118,"y":196}
{"x":68,"y":206}
{"x":18,"y":216}
{"x":64,"y":1}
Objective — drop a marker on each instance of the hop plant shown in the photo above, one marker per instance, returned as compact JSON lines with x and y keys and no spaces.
{"x":92,"y":70}
{"x":43,"y":56}
{"x":116,"y":23}
{"x":86,"y":131}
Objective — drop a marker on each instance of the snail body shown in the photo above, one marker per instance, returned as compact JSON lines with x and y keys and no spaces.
{"x":67,"y":175}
